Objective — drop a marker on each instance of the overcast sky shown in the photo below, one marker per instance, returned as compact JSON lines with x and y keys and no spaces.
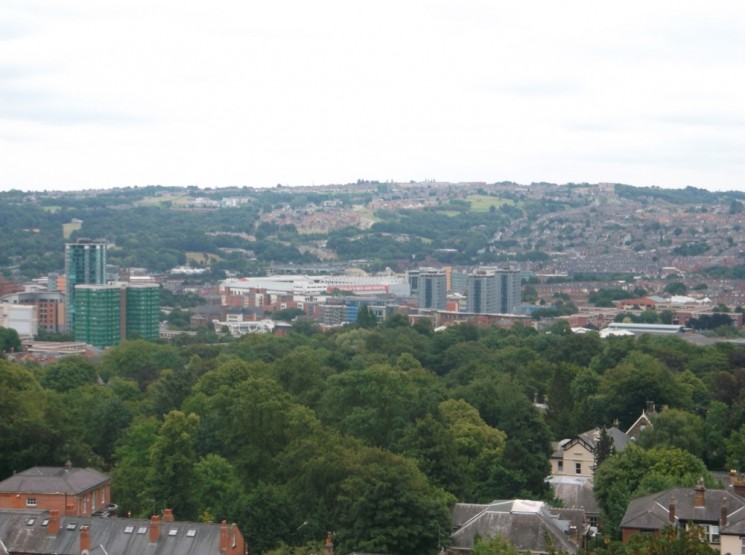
{"x":111,"y":93}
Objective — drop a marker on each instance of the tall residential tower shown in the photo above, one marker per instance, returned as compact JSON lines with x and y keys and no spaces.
{"x":85,"y":264}
{"x":493,"y":291}
{"x":432,"y":288}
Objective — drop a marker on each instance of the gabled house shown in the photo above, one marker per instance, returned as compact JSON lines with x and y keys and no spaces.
{"x":531,"y":526}
{"x":642,"y":423}
{"x":576,"y":456}
{"x":71,"y":491}
{"x":719,"y":513}
{"x":46,"y":533}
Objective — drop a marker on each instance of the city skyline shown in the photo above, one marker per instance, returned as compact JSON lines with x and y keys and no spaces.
{"x":95,"y":96}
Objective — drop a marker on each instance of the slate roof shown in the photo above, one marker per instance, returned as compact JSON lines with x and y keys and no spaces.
{"x":524,"y":523}
{"x":590,"y":439}
{"x":575,"y":493}
{"x":119,"y":536}
{"x":51,"y":479}
{"x":652,"y":511}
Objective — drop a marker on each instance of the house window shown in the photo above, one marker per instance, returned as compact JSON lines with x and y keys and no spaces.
{"x":578,"y":468}
{"x":31,"y":501}
{"x":711,"y":532}
{"x":592,"y":520}
{"x":560,"y":466}
{"x":742,"y":546}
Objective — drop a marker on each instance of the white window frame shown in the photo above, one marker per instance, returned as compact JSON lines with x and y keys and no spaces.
{"x":31,"y":501}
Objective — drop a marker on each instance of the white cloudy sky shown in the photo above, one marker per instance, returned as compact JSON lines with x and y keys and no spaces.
{"x":104,"y":93}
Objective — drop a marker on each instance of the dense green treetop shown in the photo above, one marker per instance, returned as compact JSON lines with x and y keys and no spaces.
{"x":328,"y":428}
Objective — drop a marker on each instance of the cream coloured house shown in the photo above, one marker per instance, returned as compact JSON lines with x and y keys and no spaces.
{"x":576,"y":456}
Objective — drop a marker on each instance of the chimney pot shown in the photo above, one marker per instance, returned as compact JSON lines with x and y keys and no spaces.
{"x":672,"y":510}
{"x":224,"y":536}
{"x":168,"y":515}
{"x":724,"y":511}
{"x":700,"y":494}
{"x":85,"y":538}
{"x":53,"y":527}
{"x":154,"y":528}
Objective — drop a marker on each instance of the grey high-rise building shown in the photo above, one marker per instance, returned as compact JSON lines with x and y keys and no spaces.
{"x":432,"y":289}
{"x":85,"y":264}
{"x":493,"y":291}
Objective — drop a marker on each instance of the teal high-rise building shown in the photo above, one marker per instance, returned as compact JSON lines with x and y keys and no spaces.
{"x":98,"y":314}
{"x":105,"y":315}
{"x":85,"y":264}
{"x":142,"y":311}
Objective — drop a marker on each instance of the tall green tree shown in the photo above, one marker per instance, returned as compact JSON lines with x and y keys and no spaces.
{"x":410,"y":516}
{"x":172,"y":465}
{"x":130,"y":473}
{"x":9,"y":340}
{"x":604,"y":448}
{"x":28,"y":433}
{"x":676,"y":428}
{"x":366,"y":318}
{"x":503,"y":404}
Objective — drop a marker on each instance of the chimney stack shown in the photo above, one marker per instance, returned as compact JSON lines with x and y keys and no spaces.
{"x":154,"y":529}
{"x":328,"y":548}
{"x":224,"y":536}
{"x":53,"y":527}
{"x":85,"y":539}
{"x":167,"y":515}
{"x":725,"y":510}
{"x":737,"y":481}
{"x":671,"y":510}
{"x":699,"y":498}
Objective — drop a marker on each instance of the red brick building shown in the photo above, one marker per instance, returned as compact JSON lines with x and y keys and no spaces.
{"x":71,"y":491}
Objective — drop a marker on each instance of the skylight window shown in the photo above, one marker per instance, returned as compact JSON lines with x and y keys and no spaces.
{"x":191,"y":533}
{"x":45,"y":522}
{"x":142,"y":529}
{"x":173,"y":531}
{"x":72,"y":525}
{"x":129,"y":529}
{"x":30,"y":522}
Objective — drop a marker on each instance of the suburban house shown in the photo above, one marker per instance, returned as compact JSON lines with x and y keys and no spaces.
{"x":46,"y":532}
{"x":576,"y":456}
{"x":530,"y":526}
{"x":719,"y":513}
{"x":573,"y":466}
{"x":71,"y":491}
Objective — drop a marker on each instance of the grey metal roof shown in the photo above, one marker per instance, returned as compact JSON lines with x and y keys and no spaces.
{"x":575,"y":493}
{"x":51,"y":479}
{"x":652,"y":511}
{"x":524,"y":523}
{"x":119,"y":536}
